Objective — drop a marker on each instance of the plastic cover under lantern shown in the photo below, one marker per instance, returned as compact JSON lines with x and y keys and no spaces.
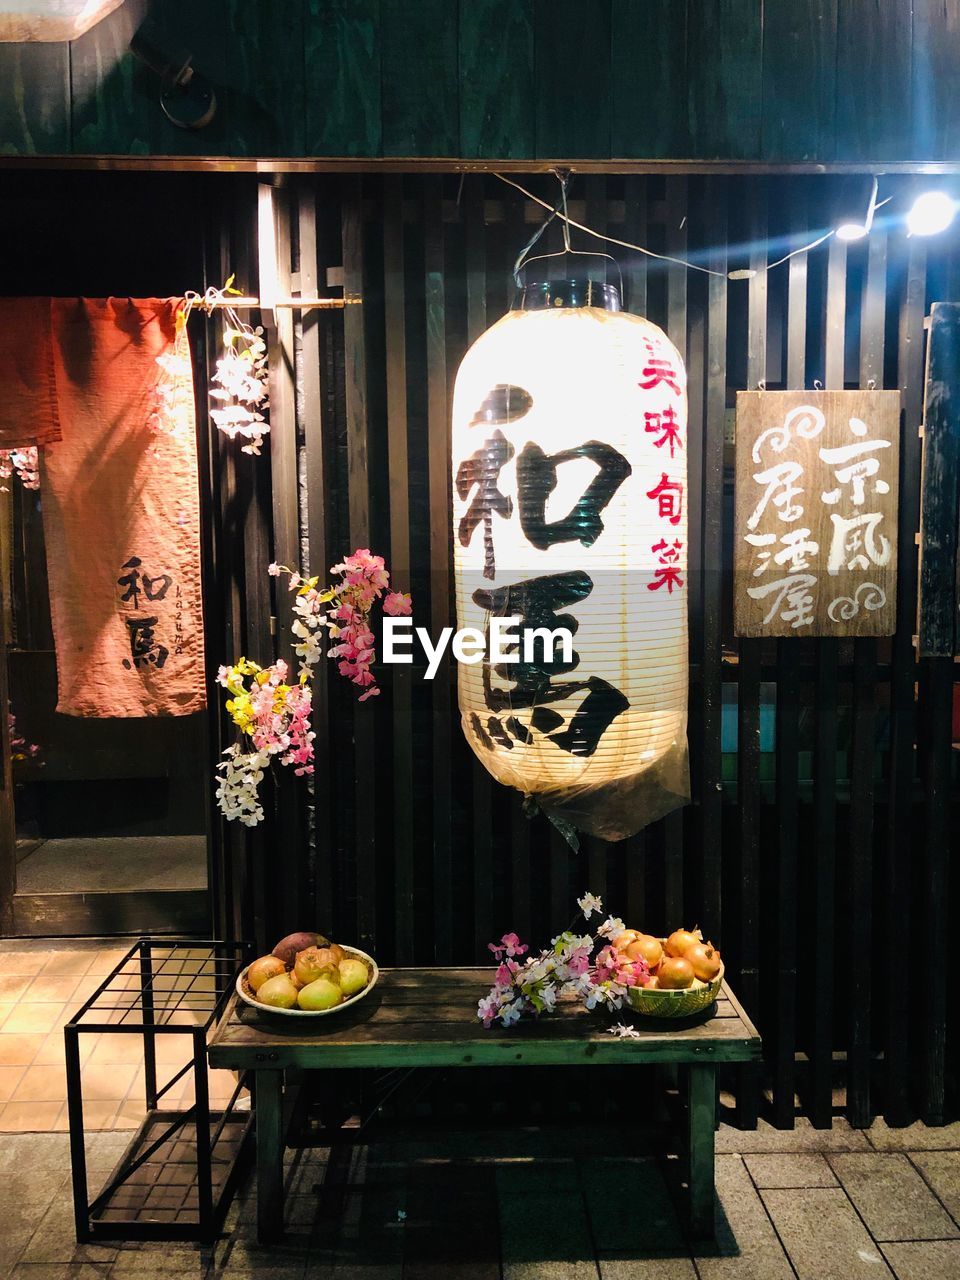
{"x":569,"y":511}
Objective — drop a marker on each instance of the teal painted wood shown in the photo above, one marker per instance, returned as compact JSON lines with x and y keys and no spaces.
{"x":936,"y":56}
{"x":265,"y":79}
{"x":342,"y":77}
{"x":648,"y":79}
{"x":572,"y":42}
{"x":724,"y":78}
{"x":113,"y":95}
{"x":201,"y":29}
{"x":419,"y":78}
{"x":799,"y":79}
{"x":496,"y":79}
{"x":873,"y":81}
{"x":34,"y":99}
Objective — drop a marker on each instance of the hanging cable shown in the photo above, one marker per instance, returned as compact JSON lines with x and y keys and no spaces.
{"x":555,"y":212}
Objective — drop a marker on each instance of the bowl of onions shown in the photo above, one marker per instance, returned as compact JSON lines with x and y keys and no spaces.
{"x":685,"y":973}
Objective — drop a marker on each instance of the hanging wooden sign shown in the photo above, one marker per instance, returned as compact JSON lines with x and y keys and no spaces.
{"x":815,"y":525}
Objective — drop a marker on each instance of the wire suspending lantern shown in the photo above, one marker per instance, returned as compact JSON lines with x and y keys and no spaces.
{"x":569,"y":495}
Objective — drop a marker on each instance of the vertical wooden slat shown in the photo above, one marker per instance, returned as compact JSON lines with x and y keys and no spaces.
{"x":748,"y":689}
{"x":863,"y":747}
{"x":320,"y":888}
{"x":677,"y":213}
{"x":363,"y":889}
{"x":483,"y":784}
{"x":825,"y":760}
{"x":938,"y":551}
{"x":274,"y":214}
{"x":438,"y":434}
{"x":715,"y":393}
{"x":787,"y":758}
{"x":936,"y":718}
{"x":398,"y":455}
{"x":696,"y":355}
{"x":940,"y":484}
{"x":900,"y":826}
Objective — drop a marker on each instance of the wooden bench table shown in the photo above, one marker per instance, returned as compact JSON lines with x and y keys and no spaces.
{"x":427,"y":1018}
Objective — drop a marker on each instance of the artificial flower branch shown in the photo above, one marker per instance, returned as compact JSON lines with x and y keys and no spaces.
{"x":585,"y":966}
{"x":271,"y":711}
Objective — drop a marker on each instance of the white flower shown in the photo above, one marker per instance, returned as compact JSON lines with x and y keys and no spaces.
{"x":612,"y":928}
{"x":588,"y":904}
{"x":510,"y":1013}
{"x":623,"y":1031}
{"x":274,"y":570}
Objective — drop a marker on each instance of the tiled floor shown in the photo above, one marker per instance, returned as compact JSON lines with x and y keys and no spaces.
{"x":532,"y":1205}
{"x":41,"y":986}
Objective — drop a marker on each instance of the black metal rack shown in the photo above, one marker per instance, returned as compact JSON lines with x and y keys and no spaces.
{"x":176,"y":1178}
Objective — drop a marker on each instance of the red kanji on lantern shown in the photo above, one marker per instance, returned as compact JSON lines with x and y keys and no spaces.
{"x":657,"y":371}
{"x":666,"y":424}
{"x":668,"y":575}
{"x":669,"y":496}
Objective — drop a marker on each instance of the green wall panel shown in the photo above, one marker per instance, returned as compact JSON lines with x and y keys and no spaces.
{"x":419,"y":78}
{"x":34,"y":99}
{"x":799,"y":79}
{"x":776,"y":80}
{"x":874,"y":116}
{"x":572,"y":41}
{"x":113,"y":95}
{"x":265,"y":78}
{"x":935,"y":82}
{"x":342,"y":77}
{"x":648,"y":78}
{"x":724,"y":77}
{"x":496,"y":79}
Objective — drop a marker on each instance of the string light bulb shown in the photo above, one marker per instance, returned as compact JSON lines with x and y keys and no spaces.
{"x":931,"y":213}
{"x":851,"y":228}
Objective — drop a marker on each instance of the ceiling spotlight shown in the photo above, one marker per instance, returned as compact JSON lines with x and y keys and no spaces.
{"x":932,"y":212}
{"x":858,"y":210}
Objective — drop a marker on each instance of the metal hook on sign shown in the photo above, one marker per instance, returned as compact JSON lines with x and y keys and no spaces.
{"x":817,"y":384}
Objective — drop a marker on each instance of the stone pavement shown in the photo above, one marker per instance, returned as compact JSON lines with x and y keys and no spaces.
{"x":530,"y":1204}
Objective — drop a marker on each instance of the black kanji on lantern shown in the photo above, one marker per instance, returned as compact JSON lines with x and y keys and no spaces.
{"x":502,"y":403}
{"x":535,"y":602}
{"x":537,"y":479}
{"x":481,"y":472}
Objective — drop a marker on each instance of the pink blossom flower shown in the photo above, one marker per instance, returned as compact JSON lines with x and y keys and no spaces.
{"x":274,"y":570}
{"x":513,"y":946}
{"x":398,"y":604}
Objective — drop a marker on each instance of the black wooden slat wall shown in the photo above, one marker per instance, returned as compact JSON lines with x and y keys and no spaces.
{"x":768,"y":80}
{"x":824,"y":794}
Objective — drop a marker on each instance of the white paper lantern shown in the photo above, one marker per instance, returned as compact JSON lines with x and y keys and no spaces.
{"x":569,"y":510}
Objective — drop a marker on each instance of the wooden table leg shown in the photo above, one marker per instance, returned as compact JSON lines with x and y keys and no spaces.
{"x":269,"y":1085}
{"x":701,"y":1120}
